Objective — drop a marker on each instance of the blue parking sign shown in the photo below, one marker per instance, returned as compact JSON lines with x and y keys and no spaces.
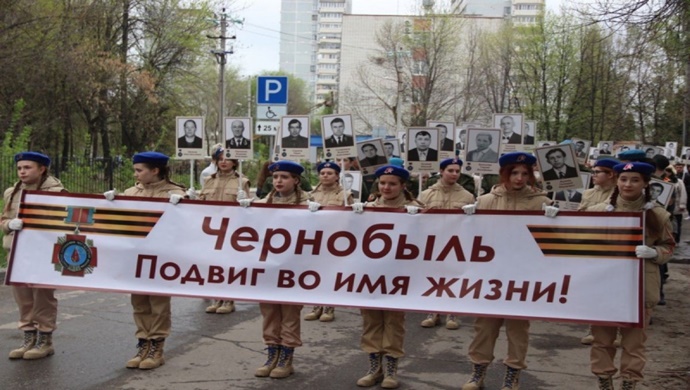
{"x":272,"y":90}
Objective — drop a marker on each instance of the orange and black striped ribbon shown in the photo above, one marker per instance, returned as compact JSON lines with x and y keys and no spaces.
{"x":587,"y":241}
{"x":112,"y":222}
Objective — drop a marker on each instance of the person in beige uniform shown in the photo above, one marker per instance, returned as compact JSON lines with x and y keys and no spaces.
{"x":327,"y":193}
{"x":604,"y":179}
{"x":151,"y":312}
{"x":632,"y":195}
{"x":516,"y":191}
{"x":37,"y":306}
{"x":446,"y":194}
{"x":383,"y":331}
{"x":281,"y":322}
{"x":223,"y":186}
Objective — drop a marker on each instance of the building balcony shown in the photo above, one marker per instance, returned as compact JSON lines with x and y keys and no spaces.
{"x":326,"y":82}
{"x":328,"y":60}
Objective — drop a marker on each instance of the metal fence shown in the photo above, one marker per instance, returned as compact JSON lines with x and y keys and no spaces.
{"x":99,"y":175}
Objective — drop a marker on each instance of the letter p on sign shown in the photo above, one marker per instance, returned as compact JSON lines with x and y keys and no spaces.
{"x":272,"y":90}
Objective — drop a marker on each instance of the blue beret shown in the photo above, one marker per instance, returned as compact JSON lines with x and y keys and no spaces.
{"x":632,"y":155}
{"x":606,"y":163}
{"x":217,"y":153}
{"x":393,"y":170}
{"x":516,"y":158}
{"x":286,"y":166}
{"x":155,"y":158}
{"x":449,"y":161}
{"x":328,"y":164}
{"x":32,"y":156}
{"x":639,"y":167}
{"x":397,"y":161}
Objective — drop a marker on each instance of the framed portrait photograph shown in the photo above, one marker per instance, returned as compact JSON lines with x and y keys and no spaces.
{"x":529,"y":133}
{"x":371,"y":156}
{"x":352,"y":181}
{"x":671,"y":149}
{"x":569,"y":200}
{"x":558,"y":167}
{"x":391,"y":148}
{"x":624,"y":146}
{"x":482,"y":151}
{"x":446,"y":148}
{"x":511,"y":126}
{"x":605,"y":148}
{"x":422,"y":149}
{"x":581,"y":148}
{"x":685,"y":155}
{"x":294,"y":138}
{"x":190,"y":140}
{"x":661,"y":191}
{"x":650,"y":150}
{"x":237,"y":133}
{"x":593,"y":154}
{"x":402,"y":137}
{"x":338,"y":137}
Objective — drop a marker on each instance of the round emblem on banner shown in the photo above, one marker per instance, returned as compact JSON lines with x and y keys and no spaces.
{"x":75,"y":255}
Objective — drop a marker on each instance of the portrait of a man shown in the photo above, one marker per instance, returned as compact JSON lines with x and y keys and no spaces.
{"x":238,"y":140}
{"x":462,"y":139}
{"x":559,"y":169}
{"x":390,"y":149}
{"x":371,"y":156}
{"x":339,"y":137}
{"x":423,"y":150}
{"x":605,"y":148}
{"x":573,"y":196}
{"x":483,"y":151}
{"x":655,"y":191}
{"x":529,"y":130}
{"x":580,"y":149}
{"x":350,"y":184}
{"x":446,"y":143}
{"x":294,"y":139}
{"x":190,"y":139}
{"x":509,"y":135}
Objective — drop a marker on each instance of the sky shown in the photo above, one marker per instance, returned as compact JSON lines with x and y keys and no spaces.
{"x":257,"y":45}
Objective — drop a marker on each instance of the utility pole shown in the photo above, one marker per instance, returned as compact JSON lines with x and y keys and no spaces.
{"x":220,"y":55}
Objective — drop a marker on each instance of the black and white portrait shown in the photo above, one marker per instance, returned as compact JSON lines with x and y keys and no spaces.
{"x":660,"y":191}
{"x":483,"y":145}
{"x":511,"y":128}
{"x":605,"y":148}
{"x":529,"y":133}
{"x":352,"y":181}
{"x":295,"y":132}
{"x":189,"y":133}
{"x":391,"y":148}
{"x":446,"y":135}
{"x":423,"y":144}
{"x":337,"y":131}
{"x":238,"y":133}
{"x":371,"y":155}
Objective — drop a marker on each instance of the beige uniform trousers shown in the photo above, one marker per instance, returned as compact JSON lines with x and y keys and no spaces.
{"x":281,"y":324}
{"x":37,"y":308}
{"x":151,"y":316}
{"x":486,"y":330}
{"x":383,"y":331}
{"x":633,"y":357}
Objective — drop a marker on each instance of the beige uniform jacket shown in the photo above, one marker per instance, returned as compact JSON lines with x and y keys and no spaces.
{"x":51,"y":184}
{"x":595,"y":196}
{"x":331,"y":196}
{"x":441,"y":196}
{"x":662,"y":242}
{"x":290,"y":199}
{"x":528,"y":198}
{"x":223,"y":187}
{"x":160,"y":189}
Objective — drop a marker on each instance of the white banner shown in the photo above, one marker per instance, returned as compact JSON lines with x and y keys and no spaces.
{"x":518,"y":264}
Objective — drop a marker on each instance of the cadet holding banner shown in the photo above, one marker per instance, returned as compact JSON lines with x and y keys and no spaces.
{"x":37,"y":306}
{"x":152,"y":314}
{"x":515,"y":192}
